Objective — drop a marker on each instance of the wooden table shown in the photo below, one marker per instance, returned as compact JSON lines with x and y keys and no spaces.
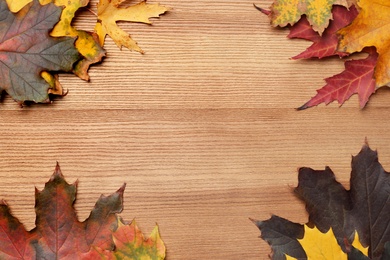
{"x":202,"y":128}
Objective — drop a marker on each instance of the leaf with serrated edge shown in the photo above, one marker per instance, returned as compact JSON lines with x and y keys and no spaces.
{"x":58,"y":231}
{"x":87,"y":43}
{"x":131,"y":244}
{"x":357,"y":78}
{"x":281,"y":234}
{"x":109,"y":13}
{"x":318,"y":245}
{"x":363,"y":209}
{"x":370,"y":28}
{"x":326,"y":44}
{"x":318,"y":12}
{"x":59,"y":235}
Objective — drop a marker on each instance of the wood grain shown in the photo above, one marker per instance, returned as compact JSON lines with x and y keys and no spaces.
{"x":202,"y":128}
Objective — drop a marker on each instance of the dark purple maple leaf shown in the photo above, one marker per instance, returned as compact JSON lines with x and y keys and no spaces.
{"x":364,"y":208}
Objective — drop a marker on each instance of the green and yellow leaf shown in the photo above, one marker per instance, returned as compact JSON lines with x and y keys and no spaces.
{"x":318,"y":12}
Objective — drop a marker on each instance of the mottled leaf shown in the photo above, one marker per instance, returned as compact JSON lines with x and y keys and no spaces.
{"x":326,"y":44}
{"x":318,"y":13}
{"x":58,"y":232}
{"x":14,"y":239}
{"x":60,"y":235}
{"x":26,"y":50}
{"x":131,"y":244}
{"x":87,"y":43}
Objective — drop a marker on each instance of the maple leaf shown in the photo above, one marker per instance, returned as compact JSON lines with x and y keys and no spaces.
{"x":26,"y":50}
{"x":59,"y":235}
{"x":363,"y":210}
{"x":131,"y":244}
{"x":370,"y":28}
{"x":87,"y":43}
{"x":318,"y":13}
{"x":326,"y":44}
{"x":358,"y":77}
{"x":109,"y":13}
{"x":318,"y":245}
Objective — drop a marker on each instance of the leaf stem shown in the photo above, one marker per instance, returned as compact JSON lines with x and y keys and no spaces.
{"x":91,"y":11}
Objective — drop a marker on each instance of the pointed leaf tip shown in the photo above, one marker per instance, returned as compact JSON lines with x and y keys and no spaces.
{"x":254,"y":221}
{"x":264,"y":11}
{"x":122,"y":188}
{"x":57,"y":170}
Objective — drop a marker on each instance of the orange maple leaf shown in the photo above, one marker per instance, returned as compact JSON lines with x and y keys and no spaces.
{"x":370,"y":28}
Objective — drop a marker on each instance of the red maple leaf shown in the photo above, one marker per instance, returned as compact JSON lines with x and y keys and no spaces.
{"x":326,"y":44}
{"x":358,"y":77}
{"x":59,"y":235}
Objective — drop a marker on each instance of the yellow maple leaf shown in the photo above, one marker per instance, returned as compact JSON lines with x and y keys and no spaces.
{"x":370,"y":28}
{"x":109,"y":13}
{"x":87,"y":43}
{"x":318,"y":12}
{"x":318,"y":245}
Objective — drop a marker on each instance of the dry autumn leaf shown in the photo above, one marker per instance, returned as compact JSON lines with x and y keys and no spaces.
{"x":357,"y":78}
{"x":326,"y":44}
{"x":353,"y":30}
{"x":318,"y":13}
{"x":34,"y":79}
{"x":370,"y":28}
{"x":318,"y":245}
{"x":26,"y":50}
{"x":59,"y":235}
{"x":109,"y":12}
{"x":363,"y":210}
{"x":87,"y":43}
